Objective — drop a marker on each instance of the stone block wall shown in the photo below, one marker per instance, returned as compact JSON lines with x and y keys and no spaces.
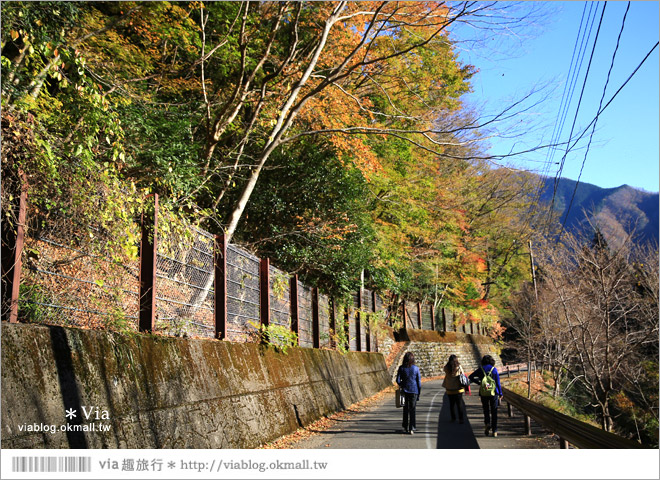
{"x":432,"y":357}
{"x":432,"y":350}
{"x":163,"y":392}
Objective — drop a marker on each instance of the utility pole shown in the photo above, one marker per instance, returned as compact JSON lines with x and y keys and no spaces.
{"x":531,"y":262}
{"x":529,"y":346}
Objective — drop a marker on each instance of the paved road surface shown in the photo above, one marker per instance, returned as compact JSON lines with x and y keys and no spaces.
{"x":380,"y":427}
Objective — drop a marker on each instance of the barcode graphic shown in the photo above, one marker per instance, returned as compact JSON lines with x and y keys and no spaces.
{"x":51,"y":464}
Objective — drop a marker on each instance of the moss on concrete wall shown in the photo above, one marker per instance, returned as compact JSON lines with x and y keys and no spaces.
{"x":167,"y":392}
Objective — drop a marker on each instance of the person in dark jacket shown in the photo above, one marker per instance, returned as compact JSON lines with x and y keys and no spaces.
{"x":408,"y":378}
{"x":489,"y":403}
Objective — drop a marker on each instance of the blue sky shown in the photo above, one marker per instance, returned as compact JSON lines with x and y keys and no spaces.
{"x":624,"y":148}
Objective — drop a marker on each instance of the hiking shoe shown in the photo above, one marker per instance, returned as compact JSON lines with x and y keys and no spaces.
{"x":494,"y":434}
{"x":411,"y":432}
{"x":487,"y":430}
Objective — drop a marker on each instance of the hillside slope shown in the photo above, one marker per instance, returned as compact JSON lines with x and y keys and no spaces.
{"x":617,"y":211}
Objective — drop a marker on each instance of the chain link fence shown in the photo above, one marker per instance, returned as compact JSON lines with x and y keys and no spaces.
{"x":305,"y":316}
{"x":411,"y":313}
{"x":184,"y":282}
{"x":79,"y":274}
{"x":243,"y":307}
{"x":280,"y":297}
{"x":325,"y":340}
{"x":426,"y":317}
{"x":76,"y":273}
{"x":351,"y":308}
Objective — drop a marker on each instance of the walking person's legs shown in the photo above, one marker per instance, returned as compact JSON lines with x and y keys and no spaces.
{"x":411,"y":400}
{"x":493,"y":414}
{"x":485,"y":404}
{"x":452,"y":406}
{"x":406,"y":406}
{"x":460,"y":405}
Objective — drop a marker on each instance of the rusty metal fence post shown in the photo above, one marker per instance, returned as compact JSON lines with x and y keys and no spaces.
{"x":264,"y":292}
{"x":220,"y":287}
{"x":367,"y":319}
{"x":12,"y":253}
{"x":419,"y":316}
{"x":358,"y":327}
{"x":148,"y":252}
{"x":333,"y":323}
{"x":347,"y":330}
{"x":373,"y":309}
{"x":316,"y":328}
{"x":295,"y":312}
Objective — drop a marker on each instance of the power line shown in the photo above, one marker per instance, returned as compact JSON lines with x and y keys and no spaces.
{"x":577,"y":110}
{"x":577,"y":139}
{"x":573,"y":75}
{"x":585,"y":42}
{"x":556,"y":133}
{"x":575,"y":66}
{"x":593,"y":130}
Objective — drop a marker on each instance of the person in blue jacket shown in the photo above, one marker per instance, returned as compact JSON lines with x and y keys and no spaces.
{"x":408,"y":378}
{"x":489,"y":403}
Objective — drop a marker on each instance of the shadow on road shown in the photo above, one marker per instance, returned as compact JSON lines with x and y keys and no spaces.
{"x":454,"y":434}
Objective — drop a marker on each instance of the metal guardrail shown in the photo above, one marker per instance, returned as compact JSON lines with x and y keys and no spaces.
{"x":514,"y":368}
{"x":578,"y":433}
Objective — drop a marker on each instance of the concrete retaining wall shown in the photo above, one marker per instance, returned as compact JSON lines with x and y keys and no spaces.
{"x":156,"y":392}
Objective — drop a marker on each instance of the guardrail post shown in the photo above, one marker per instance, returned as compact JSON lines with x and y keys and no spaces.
{"x":580,"y":434}
{"x":220,"y":287}
{"x":563,"y":444}
{"x":148,"y":255}
{"x":528,"y":425}
{"x":509,"y":410}
{"x":12,"y":254}
{"x":316,"y":330}
{"x":419,"y":315}
{"x":444,"y":320}
{"x":432,"y":316}
{"x":358,"y":328}
{"x":293,"y":303}
{"x":264,"y":292}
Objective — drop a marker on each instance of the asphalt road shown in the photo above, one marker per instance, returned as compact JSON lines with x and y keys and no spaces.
{"x":380,"y":427}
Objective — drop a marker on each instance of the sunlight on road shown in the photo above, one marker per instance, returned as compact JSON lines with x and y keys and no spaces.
{"x":429,"y":443}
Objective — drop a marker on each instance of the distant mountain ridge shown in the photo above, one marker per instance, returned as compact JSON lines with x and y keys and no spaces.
{"x":616,"y":210}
